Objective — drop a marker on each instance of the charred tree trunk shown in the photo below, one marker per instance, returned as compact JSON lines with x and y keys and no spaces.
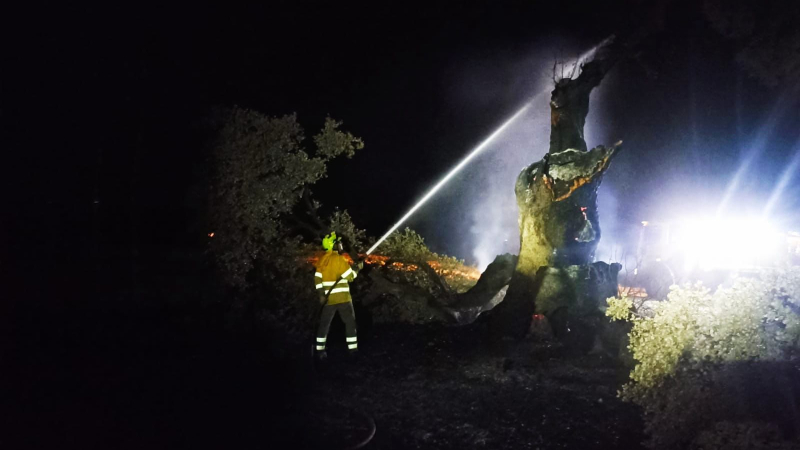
{"x":569,"y":104}
{"x":557,"y":199}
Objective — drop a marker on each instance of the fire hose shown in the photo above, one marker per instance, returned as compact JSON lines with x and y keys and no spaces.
{"x":371,"y":434}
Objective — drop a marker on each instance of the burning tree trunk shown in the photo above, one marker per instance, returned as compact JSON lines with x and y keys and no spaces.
{"x":557,"y":199}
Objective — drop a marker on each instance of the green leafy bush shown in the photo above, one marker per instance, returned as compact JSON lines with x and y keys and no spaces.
{"x":685,"y":352}
{"x":408,"y":245}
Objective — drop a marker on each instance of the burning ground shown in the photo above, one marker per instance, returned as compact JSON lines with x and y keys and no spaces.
{"x":461,"y":277}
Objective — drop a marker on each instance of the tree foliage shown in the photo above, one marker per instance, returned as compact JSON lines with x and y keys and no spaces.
{"x":353,"y":237}
{"x":765,"y":35}
{"x":262,"y":171}
{"x":408,"y":245}
{"x":684,"y":351}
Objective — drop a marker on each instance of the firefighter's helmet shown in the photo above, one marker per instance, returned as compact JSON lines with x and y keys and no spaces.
{"x":329,"y":241}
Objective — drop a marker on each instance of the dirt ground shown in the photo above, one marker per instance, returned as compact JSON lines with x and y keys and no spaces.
{"x":442,"y":387}
{"x":84,"y":381}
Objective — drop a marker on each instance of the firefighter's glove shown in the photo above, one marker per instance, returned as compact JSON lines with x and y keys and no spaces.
{"x":322,"y":299}
{"x":360,"y":265}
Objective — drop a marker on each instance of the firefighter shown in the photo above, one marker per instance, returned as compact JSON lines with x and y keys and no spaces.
{"x":332,"y":281}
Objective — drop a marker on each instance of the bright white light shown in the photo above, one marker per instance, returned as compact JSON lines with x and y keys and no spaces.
{"x":731,"y":244}
{"x":449,"y":175}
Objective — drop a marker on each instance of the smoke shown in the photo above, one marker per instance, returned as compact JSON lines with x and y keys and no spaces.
{"x":494,"y":222}
{"x":453,"y":172}
{"x":494,"y":214}
{"x":614,"y":244}
{"x":479,"y":205}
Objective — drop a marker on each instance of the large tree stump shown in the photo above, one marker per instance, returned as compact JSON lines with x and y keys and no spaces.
{"x":557,"y":199}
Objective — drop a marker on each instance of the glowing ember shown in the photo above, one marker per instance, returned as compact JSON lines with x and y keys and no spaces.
{"x":467,"y":272}
{"x":628,"y":291}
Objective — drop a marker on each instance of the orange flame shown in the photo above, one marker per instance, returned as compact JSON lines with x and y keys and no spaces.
{"x":629,"y":291}
{"x":379,"y":260}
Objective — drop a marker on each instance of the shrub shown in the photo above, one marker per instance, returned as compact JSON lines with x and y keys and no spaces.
{"x":408,"y":245}
{"x":685,"y":352}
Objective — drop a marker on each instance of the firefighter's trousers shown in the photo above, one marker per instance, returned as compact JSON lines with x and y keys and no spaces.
{"x":348,"y":316}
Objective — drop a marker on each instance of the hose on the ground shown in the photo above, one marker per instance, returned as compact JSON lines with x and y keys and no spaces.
{"x":359,"y":411}
{"x":372,"y":429}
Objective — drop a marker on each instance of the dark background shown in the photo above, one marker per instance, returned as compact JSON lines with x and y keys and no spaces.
{"x":104,"y":149}
{"x":103,"y":109}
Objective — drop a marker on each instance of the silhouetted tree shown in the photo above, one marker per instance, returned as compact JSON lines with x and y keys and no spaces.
{"x":765,"y":35}
{"x":262,"y":175}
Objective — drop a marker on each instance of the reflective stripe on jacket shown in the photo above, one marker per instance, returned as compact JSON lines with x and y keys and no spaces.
{"x":334,"y":274}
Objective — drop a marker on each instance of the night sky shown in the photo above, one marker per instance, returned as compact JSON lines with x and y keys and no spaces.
{"x":105,"y":104}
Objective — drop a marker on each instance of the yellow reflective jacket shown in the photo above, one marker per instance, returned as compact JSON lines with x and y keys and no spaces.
{"x":334,"y":274}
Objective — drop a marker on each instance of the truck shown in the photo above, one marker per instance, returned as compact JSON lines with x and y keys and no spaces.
{"x":712,"y":251}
